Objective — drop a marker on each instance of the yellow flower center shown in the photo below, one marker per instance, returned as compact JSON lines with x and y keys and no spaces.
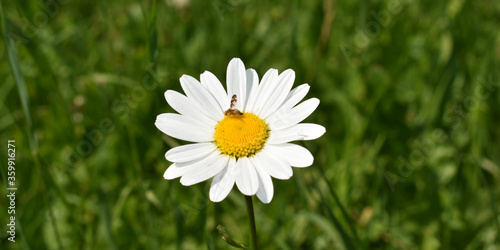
{"x":241,"y":135}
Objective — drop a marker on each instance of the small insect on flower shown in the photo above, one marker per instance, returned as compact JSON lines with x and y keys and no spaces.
{"x":232,"y":110}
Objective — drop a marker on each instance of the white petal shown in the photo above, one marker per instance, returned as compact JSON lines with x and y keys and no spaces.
{"x":295,"y":96}
{"x":263,"y":91}
{"x":246,"y":177}
{"x":282,"y":119}
{"x":184,"y":128}
{"x":190,"y":152}
{"x":201,"y":97}
{"x":184,"y":106}
{"x":177,"y":169}
{"x":223,"y":182}
{"x":237,"y":81}
{"x":252,"y":87}
{"x":212,"y":83}
{"x":266,"y":189}
{"x":297,"y":156}
{"x":283,"y":85}
{"x":212,"y":165}
{"x":276,"y":166}
{"x":301,"y":131}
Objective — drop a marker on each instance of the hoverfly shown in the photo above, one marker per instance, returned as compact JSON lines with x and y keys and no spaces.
{"x":232,"y":110}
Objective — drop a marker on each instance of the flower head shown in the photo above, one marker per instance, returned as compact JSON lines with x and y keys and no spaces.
{"x":240,"y":135}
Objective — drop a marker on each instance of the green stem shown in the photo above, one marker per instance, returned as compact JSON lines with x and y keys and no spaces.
{"x":251,"y":222}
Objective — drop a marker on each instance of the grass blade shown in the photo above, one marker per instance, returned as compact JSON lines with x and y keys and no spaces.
{"x":18,"y":78}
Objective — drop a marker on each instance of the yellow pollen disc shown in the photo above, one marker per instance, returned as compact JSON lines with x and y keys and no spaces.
{"x":241,"y":135}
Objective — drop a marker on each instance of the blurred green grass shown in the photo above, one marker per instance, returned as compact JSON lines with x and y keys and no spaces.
{"x":409,"y":95}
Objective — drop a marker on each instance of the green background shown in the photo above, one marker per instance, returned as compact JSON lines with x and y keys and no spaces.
{"x":409,"y":96}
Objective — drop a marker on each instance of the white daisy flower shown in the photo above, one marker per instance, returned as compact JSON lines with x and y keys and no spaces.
{"x":240,"y":136}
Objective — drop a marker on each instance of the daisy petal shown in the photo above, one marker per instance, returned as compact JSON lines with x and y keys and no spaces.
{"x":252,"y":87}
{"x":180,"y":103}
{"x":183,"y":106}
{"x":184,"y":128}
{"x":223,"y":182}
{"x":263,"y":91}
{"x":211,"y":166}
{"x":212,"y":83}
{"x":266,"y":189}
{"x":301,"y":131}
{"x":201,"y":97}
{"x":297,"y":156}
{"x":283,"y":85}
{"x":295,"y":96}
{"x":246,"y":177}
{"x":190,"y":152}
{"x":177,"y":169}
{"x":282,"y":119}
{"x":276,"y":166}
{"x":237,"y":81}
